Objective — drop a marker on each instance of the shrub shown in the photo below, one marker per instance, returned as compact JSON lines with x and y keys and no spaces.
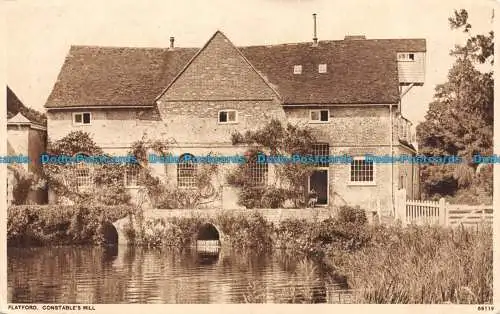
{"x":354,"y":215}
{"x":55,"y":224}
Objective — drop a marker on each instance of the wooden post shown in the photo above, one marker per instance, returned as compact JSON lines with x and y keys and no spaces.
{"x":379,"y":211}
{"x":400,"y":204}
{"x":442,"y":212}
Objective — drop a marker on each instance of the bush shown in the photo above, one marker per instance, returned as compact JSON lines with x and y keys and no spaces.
{"x":242,"y":231}
{"x":352,"y":215}
{"x":55,"y":224}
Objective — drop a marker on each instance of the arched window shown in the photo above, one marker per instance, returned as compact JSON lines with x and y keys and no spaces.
{"x":258,"y":171}
{"x":186,"y":171}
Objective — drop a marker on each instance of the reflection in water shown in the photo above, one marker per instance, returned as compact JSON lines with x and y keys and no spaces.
{"x":120,"y":274}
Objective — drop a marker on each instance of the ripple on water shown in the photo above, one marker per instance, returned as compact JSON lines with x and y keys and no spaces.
{"x":132,"y":275}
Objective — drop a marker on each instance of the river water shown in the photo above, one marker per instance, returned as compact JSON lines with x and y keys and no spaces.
{"x":133,"y":275}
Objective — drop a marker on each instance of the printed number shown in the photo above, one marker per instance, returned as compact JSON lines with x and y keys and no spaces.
{"x":486,"y":308}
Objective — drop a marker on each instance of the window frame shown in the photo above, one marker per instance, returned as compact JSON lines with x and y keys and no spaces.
{"x":297,"y":69}
{"x":257,"y":169}
{"x":125,"y":181}
{"x":227,"y":111}
{"x":82,"y":114}
{"x":319,"y":111}
{"x":193,"y":165}
{"x":320,"y":67}
{"x":89,"y":178}
{"x":405,"y":56}
{"x":362,"y":183}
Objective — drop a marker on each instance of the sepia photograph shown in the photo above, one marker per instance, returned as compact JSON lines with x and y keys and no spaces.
{"x":237,"y":152}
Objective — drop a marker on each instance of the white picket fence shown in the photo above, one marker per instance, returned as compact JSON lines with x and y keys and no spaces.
{"x":442,"y":213}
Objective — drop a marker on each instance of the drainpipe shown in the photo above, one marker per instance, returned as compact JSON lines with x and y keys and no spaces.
{"x":392,"y":156}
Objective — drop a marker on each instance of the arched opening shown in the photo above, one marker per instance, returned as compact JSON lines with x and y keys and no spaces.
{"x":208,"y":232}
{"x":110,"y":234}
{"x":208,"y":240}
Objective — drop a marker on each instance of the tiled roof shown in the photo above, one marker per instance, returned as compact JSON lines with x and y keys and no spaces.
{"x":358,"y":71}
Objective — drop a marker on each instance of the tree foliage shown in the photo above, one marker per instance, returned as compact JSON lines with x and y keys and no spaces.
{"x":460,"y":118}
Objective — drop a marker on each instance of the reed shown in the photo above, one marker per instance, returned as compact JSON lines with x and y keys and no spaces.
{"x":421,"y":265}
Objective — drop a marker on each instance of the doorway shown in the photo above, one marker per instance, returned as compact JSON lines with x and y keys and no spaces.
{"x":318,"y":181}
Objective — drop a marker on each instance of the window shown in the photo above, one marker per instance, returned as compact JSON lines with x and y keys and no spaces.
{"x":322,"y":68}
{"x":83,"y":177}
{"x":404,"y":56}
{"x":82,"y":118}
{"x":186,"y":171}
{"x":362,"y":171}
{"x":228,"y":116}
{"x":258,"y":171}
{"x":297,"y":69}
{"x":321,"y":150}
{"x":319,"y":116}
{"x":131,"y":176}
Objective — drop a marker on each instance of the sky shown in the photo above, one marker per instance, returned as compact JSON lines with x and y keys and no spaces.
{"x":40,"y":33}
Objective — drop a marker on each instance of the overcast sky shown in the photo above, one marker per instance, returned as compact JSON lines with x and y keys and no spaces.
{"x":39,"y":33}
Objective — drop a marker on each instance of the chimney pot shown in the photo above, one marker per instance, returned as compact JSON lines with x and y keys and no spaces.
{"x":172,"y":42}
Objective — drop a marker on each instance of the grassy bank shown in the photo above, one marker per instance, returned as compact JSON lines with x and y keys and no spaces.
{"x":420,"y":265}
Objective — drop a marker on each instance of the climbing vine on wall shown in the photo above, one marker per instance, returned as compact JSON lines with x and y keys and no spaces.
{"x":106,"y":184}
{"x":166,"y":194}
{"x":276,"y":140}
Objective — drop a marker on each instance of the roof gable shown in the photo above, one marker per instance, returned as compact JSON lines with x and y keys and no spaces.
{"x":218,"y":71}
{"x":18,"y":119}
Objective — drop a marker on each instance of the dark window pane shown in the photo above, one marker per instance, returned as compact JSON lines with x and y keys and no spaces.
{"x":78,"y":118}
{"x":324,"y":115}
{"x":86,"y":118}
{"x":223,"y":116}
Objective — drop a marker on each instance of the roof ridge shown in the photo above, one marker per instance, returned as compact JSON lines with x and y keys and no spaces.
{"x":248,"y":46}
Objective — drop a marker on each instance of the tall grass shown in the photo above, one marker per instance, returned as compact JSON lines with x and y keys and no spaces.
{"x":421,"y":265}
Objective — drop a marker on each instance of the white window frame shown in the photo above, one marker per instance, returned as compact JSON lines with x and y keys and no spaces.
{"x":259,"y":172}
{"x":227,"y":111}
{"x":81,"y":113}
{"x":88,"y":180}
{"x":322,"y":68}
{"x":361,"y":183}
{"x":183,"y":181}
{"x":319,"y":112}
{"x":297,"y":69}
{"x":405,"y":56}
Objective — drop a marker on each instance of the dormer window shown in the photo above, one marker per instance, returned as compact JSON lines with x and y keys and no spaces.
{"x":322,"y":68}
{"x":297,"y":69}
{"x":406,"y":56}
{"x":82,"y":118}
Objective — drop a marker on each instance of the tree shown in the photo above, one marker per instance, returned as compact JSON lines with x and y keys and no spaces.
{"x":460,"y":118}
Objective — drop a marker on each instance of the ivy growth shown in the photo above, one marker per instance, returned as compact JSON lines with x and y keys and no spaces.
{"x":107,"y":186}
{"x":274,"y":139}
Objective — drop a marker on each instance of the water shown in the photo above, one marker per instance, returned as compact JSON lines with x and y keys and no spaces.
{"x":134,"y":275}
